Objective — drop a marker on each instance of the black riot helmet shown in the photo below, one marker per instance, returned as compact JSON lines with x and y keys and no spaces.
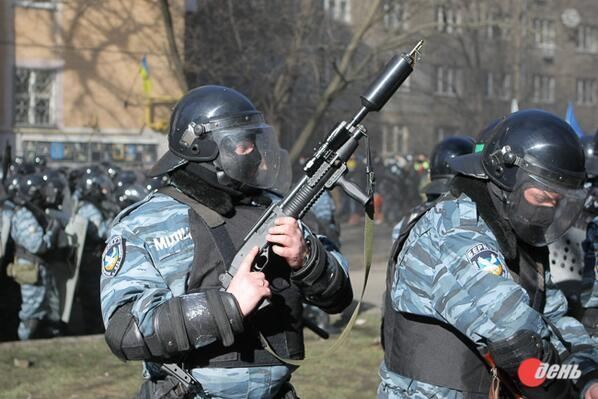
{"x":112,"y":170}
{"x":590,"y":147}
{"x":534,"y":162}
{"x":127,"y":195}
{"x":220,"y":128}
{"x":29,"y":190}
{"x":94,"y":185}
{"x":20,"y":167}
{"x":440,"y":170}
{"x":55,"y":189}
{"x":483,"y":135}
{"x":125,"y":178}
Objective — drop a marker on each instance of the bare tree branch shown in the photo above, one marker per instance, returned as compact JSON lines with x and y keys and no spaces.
{"x":335,"y":85}
{"x":175,"y":56}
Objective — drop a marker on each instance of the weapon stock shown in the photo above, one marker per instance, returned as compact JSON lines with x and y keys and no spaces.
{"x":327,"y":166}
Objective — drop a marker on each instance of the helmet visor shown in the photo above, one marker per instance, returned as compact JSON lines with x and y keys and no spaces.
{"x":540,"y":212}
{"x":252,"y":156}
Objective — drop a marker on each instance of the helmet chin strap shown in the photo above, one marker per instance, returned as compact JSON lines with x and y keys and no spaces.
{"x":499,"y":198}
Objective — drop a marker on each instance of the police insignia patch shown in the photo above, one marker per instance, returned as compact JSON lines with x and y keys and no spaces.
{"x":113,"y":256}
{"x":487,"y":260}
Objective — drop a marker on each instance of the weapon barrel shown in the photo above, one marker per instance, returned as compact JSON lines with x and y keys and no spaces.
{"x":386,"y":84}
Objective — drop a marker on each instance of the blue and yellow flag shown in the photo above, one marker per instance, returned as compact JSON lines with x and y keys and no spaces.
{"x":572,"y":121}
{"x":145,"y":76}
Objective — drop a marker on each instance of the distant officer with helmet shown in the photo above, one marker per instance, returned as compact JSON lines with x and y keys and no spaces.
{"x":586,"y":310}
{"x":467,"y":298}
{"x":41,"y":246}
{"x":162,"y":300}
{"x":441,"y":173}
{"x":93,"y":189}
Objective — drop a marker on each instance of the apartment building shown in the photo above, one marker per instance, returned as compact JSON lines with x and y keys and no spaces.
{"x":480,"y":59}
{"x":71,"y":81}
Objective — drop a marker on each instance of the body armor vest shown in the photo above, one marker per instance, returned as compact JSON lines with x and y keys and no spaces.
{"x":428,"y":350}
{"x":216,"y":240}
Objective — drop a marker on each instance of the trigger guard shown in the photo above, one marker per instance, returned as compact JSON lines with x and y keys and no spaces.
{"x":262,"y":259}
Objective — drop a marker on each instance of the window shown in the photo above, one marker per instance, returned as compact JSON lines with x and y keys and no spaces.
{"x":496,"y":25}
{"x":100,"y":152}
{"x":543,"y":89}
{"x":448,"y":19}
{"x":394,"y":140}
{"x":586,"y":91}
{"x":92,"y":152}
{"x":448,"y":81}
{"x":34,"y":97}
{"x":544,"y":33}
{"x":587,"y":38}
{"x":338,"y":9}
{"x":395,"y":15}
{"x":45,"y":4}
{"x":498,"y":85}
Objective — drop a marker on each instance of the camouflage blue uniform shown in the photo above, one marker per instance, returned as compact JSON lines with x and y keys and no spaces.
{"x":324,"y":211}
{"x":153,"y":267}
{"x":437,"y":277}
{"x":40,"y":301}
{"x":99,"y":224}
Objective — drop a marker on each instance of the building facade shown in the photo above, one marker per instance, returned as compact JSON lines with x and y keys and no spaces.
{"x":86,"y":81}
{"x":480,"y":59}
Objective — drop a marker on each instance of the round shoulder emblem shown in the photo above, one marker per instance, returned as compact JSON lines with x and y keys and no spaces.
{"x":113,"y":256}
{"x":487,"y":260}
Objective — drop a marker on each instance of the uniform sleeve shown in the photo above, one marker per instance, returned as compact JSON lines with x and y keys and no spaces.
{"x":324,"y":279}
{"x":96,"y":219}
{"x":464,"y":282}
{"x":28,"y":233}
{"x":583,"y":350}
{"x":134,"y":279}
{"x":474,"y":293}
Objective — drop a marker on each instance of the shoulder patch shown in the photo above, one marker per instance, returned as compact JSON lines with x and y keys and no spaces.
{"x":113,"y":256}
{"x":487,"y":260}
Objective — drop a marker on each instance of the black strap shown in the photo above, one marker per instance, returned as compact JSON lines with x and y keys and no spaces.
{"x":211,"y":217}
{"x":224,"y":243}
{"x":219,"y":313}
{"x":21,"y":252}
{"x":213,"y":220}
{"x":180,"y":333}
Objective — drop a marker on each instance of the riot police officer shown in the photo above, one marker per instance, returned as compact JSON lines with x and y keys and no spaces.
{"x":93,"y":189}
{"x":587,"y":307}
{"x":466,"y":292}
{"x":40,"y":250}
{"x":440,"y":172}
{"x":161,"y":295}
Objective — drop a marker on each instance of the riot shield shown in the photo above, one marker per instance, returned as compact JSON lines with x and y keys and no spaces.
{"x":76,"y":229}
{"x":4,"y":233}
{"x":567,"y":261}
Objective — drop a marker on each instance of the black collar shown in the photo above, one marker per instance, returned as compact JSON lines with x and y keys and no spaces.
{"x":202,"y":185}
{"x":477,"y":190}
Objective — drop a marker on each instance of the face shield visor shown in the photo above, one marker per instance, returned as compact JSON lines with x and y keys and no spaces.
{"x":540,"y":212}
{"x":251,"y":155}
